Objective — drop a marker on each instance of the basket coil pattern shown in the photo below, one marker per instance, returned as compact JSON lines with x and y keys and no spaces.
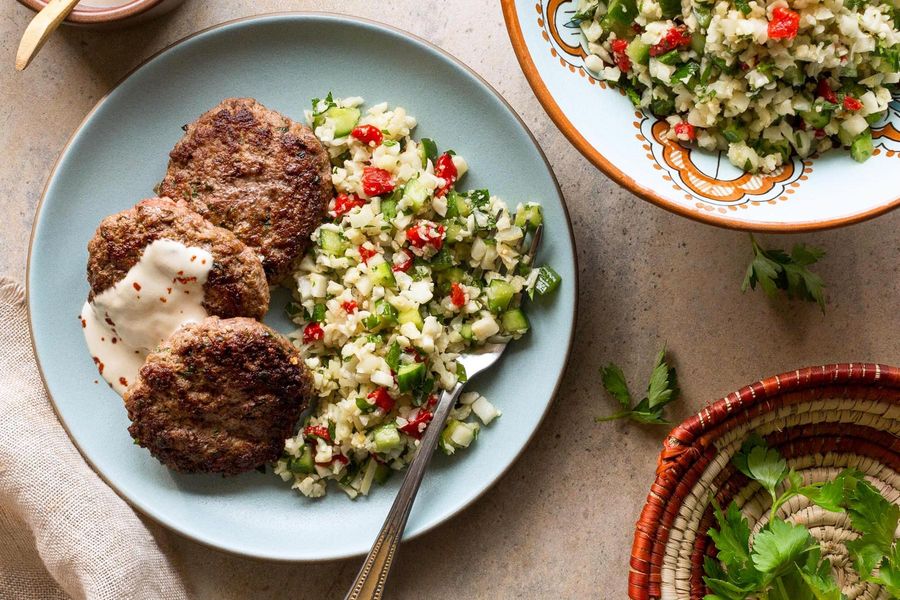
{"x":822,"y":419}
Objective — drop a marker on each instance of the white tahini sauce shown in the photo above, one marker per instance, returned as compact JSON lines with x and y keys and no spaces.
{"x":163,"y":291}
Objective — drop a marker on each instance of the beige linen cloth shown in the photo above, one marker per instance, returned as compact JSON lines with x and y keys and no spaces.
{"x":63,"y":532}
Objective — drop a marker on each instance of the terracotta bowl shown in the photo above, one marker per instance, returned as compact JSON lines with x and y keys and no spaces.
{"x":821,"y":419}
{"x":126,"y":13}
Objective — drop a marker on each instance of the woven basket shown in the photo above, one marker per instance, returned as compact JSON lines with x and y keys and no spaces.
{"x":822,"y":419}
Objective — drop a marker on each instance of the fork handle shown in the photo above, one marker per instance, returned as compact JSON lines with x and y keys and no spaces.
{"x":369,"y":584}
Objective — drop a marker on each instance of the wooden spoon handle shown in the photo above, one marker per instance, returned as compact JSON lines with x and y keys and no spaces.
{"x":40,"y":28}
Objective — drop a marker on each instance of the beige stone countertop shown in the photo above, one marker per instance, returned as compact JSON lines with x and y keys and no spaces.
{"x":560,"y":523}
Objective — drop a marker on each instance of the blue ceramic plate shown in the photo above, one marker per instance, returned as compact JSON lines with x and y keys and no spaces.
{"x":120,"y":152}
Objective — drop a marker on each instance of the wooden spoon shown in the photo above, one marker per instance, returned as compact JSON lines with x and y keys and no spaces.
{"x":40,"y":28}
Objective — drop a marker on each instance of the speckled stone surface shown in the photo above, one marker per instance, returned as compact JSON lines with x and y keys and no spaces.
{"x":559,"y":524}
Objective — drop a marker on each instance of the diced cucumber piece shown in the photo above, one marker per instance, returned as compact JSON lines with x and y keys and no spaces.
{"x":410,"y":376}
{"x":670,"y":8}
{"x":465,"y":331}
{"x":383,"y":316}
{"x":514,"y":322}
{"x":381,"y":274}
{"x":875,"y":117}
{"x":547,"y":281}
{"x":382,"y":473}
{"x":332,"y":242}
{"x":456,"y":231}
{"x":304,"y":463}
{"x":318,"y":313}
{"x":816,"y":119}
{"x":458,"y":205}
{"x":445,"y":278}
{"x":458,"y":435}
{"x":499,"y":294}
{"x":529,"y":215}
{"x":622,"y":12}
{"x":861,"y":149}
{"x":415,"y":194}
{"x":845,"y":136}
{"x":669,"y":58}
{"x":386,"y":437}
{"x":411,"y":315}
{"x":734,"y":132}
{"x":427,"y":151}
{"x":345,"y":119}
{"x":698,"y":43}
{"x":364,"y":405}
{"x":638,"y":51}
{"x":461,"y":374}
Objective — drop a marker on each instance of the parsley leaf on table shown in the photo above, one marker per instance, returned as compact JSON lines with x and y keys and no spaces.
{"x":776,"y":270}
{"x":662,"y":390}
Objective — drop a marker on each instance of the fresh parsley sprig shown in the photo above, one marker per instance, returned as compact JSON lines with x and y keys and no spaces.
{"x":784,"y":561}
{"x":662,"y":390}
{"x":777,"y":270}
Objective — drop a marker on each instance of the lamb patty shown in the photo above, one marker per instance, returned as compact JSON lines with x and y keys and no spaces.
{"x":236,"y":285}
{"x":256,"y":172}
{"x":220,"y":396}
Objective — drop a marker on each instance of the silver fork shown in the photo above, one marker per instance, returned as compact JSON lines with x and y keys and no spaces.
{"x":370,"y":581}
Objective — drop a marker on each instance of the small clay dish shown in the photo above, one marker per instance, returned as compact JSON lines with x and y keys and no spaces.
{"x":100,"y":14}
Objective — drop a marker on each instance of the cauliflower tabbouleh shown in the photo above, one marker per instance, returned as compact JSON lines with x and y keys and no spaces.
{"x":762,"y":79}
{"x":407,"y":273}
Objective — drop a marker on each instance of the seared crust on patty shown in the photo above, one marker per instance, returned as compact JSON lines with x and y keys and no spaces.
{"x":256,"y":172}
{"x":219,"y":396}
{"x":236,"y":285}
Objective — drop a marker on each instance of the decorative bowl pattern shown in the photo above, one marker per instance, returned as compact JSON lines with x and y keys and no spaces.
{"x":629,"y":146}
{"x":821,"y":419}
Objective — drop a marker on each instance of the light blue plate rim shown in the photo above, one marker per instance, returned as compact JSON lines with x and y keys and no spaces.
{"x":301,"y":16}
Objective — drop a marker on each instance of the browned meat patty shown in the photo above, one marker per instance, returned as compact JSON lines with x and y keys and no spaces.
{"x":219,"y":396}
{"x":236,"y":285}
{"x":254,"y":171}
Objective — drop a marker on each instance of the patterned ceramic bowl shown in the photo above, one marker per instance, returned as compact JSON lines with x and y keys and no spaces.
{"x":629,"y":146}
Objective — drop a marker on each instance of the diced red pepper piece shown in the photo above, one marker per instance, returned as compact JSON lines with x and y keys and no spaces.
{"x":432,"y":401}
{"x":368,"y":134}
{"x":313,"y":332}
{"x":365,"y":254}
{"x":619,"y":46}
{"x":677,"y":37}
{"x":416,"y":425}
{"x":784,"y":25}
{"x":446,"y":170}
{"x":457,"y":295}
{"x":377,"y":182}
{"x":425,"y":233}
{"x":340,"y":458}
{"x":819,"y":134}
{"x":684,"y":129}
{"x":851,"y":103}
{"x":349,"y":306}
{"x":317,"y":431}
{"x":344,"y":203}
{"x":382,"y":399}
{"x":824,"y":90}
{"x":405,"y":262}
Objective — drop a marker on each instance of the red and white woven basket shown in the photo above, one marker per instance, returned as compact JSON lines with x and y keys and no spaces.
{"x":822,"y":419}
